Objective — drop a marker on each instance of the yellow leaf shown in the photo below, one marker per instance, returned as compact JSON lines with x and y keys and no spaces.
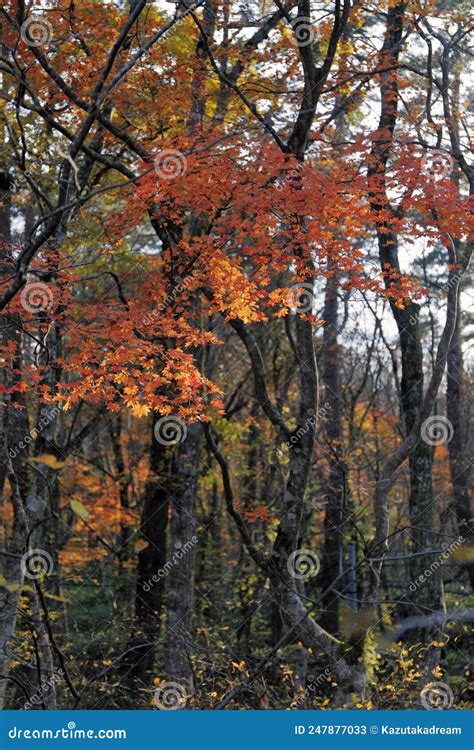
{"x":140,"y":410}
{"x":17,"y":586}
{"x":49,"y":460}
{"x":464,"y":554}
{"x":54,"y":597}
{"x":79,"y":509}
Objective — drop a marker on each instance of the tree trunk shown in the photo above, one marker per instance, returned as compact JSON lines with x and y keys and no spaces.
{"x":421,"y":454}
{"x":15,"y":428}
{"x":332,"y":559}
{"x":458,"y":461}
{"x":183,"y":540}
{"x":151,"y":559}
{"x":421,"y":507}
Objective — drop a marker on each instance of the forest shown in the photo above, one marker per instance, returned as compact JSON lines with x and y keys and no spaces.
{"x":236,"y":315}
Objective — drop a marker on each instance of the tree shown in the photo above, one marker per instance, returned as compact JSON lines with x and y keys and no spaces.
{"x":189,"y":288}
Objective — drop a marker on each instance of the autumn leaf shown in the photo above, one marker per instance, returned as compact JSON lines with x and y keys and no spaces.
{"x":141,"y":544}
{"x":79,"y":509}
{"x":48,"y":459}
{"x":464,"y":554}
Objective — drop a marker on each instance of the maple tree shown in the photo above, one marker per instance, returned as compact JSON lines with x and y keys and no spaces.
{"x":209,"y":222}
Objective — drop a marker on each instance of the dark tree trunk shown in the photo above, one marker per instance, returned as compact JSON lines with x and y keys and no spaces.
{"x":458,"y":460}
{"x":332,"y":559}
{"x":421,"y":507}
{"x":183,"y":540}
{"x":151,"y":559}
{"x":15,"y":428}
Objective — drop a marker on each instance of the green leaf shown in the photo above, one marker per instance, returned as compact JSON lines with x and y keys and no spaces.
{"x":80,"y":510}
